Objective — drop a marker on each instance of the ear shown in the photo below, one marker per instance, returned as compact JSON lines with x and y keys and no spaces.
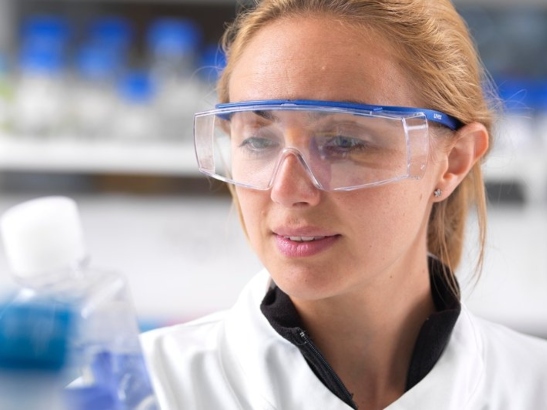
{"x":470,"y":144}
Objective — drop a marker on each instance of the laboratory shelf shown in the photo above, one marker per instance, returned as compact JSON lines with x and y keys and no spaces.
{"x":97,"y":157}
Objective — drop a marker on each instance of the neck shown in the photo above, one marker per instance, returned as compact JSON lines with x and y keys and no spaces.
{"x":368,"y":335}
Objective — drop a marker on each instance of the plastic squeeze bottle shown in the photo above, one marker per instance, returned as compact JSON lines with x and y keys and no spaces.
{"x":44,"y":246}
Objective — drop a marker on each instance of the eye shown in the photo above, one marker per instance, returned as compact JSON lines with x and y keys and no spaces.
{"x":342,"y":146}
{"x":344,"y":143}
{"x":259,"y":143}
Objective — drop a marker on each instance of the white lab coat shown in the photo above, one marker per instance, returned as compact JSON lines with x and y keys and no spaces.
{"x":236,"y":360}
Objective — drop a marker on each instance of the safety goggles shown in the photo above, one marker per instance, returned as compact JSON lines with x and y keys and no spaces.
{"x":341,"y":146}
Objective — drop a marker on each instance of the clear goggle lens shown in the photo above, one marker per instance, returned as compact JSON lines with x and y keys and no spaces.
{"x":341,"y":149}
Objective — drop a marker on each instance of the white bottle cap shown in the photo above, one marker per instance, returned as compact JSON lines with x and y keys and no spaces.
{"x":42,"y":236}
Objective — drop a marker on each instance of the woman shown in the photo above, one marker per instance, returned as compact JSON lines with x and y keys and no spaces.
{"x":355,"y":201}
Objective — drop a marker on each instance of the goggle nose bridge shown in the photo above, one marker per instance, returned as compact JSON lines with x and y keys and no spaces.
{"x":298,"y":154}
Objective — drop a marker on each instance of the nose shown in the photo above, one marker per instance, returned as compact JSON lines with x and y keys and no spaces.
{"x":293,"y":185}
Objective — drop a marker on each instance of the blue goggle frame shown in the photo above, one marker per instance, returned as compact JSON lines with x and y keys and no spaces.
{"x":438,"y":117}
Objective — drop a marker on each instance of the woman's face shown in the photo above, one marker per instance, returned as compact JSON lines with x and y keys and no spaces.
{"x":362,"y":238}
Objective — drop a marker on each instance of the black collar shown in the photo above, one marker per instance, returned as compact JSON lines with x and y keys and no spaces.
{"x":432,"y":339}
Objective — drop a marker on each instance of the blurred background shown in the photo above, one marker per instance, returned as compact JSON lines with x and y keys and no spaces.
{"x":96,"y":102}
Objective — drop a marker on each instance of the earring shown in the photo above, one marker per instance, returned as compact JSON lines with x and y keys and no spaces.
{"x":437,"y":193}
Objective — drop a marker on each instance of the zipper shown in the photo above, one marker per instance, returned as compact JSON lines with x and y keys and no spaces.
{"x":316,"y":357}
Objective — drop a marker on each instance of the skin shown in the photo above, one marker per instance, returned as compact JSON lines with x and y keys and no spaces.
{"x":364,"y":296}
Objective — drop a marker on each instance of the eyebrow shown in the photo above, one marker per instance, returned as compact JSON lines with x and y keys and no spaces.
{"x":313,"y":114}
{"x":267,"y":114}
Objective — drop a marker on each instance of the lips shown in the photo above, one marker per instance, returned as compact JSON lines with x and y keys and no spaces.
{"x":300,"y":245}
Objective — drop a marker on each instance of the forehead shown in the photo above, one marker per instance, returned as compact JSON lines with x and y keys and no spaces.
{"x":323,"y":59}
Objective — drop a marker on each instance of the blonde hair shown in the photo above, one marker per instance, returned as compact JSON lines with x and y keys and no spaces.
{"x":443,"y":66}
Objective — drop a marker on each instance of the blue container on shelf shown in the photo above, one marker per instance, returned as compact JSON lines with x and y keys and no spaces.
{"x":136,"y":87}
{"x":39,"y":60}
{"x":97,"y":62}
{"x":173,"y":37}
{"x":112,"y":32}
{"x":173,"y":52}
{"x":46,"y":31}
{"x":211,"y":64}
{"x":539,"y":98}
{"x":516,"y":94}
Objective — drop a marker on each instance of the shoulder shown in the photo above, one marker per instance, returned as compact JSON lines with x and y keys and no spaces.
{"x":515,"y":364}
{"x":485,"y":366}
{"x":498,"y":339}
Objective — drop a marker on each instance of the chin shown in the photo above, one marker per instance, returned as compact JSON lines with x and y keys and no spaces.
{"x":305,"y":283}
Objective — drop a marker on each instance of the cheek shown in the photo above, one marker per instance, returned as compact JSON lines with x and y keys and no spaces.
{"x":253,"y":207}
{"x":389,"y":215}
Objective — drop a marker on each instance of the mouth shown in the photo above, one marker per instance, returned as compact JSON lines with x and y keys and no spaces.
{"x":304,"y":238}
{"x":304,"y":245}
